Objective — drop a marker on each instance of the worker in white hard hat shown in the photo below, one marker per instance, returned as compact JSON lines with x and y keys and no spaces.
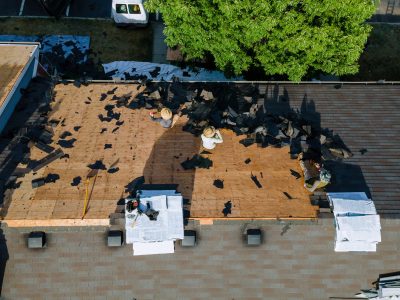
{"x":211,"y":137}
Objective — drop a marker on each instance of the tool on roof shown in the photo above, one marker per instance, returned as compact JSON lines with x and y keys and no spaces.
{"x":92,"y":174}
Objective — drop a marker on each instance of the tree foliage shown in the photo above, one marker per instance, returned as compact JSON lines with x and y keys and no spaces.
{"x":282,"y":36}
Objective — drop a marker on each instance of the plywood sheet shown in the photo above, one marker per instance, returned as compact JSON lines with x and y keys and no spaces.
{"x":145,"y":148}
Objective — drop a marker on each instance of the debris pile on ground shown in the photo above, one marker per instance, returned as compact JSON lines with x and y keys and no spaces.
{"x":27,"y":128}
{"x":134,"y":70}
{"x":65,"y":55}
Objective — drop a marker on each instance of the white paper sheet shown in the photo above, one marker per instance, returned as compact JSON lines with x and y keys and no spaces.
{"x":153,"y":248}
{"x":358,"y":246}
{"x":363,"y":235}
{"x":167,"y":228}
{"x":359,"y":223}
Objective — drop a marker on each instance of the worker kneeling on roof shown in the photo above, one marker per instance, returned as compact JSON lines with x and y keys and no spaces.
{"x":164,"y":117}
{"x":211,"y":137}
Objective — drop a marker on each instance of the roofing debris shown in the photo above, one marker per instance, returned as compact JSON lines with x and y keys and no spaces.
{"x":67,"y":143}
{"x":285,"y":228}
{"x":65,"y":134}
{"x":76,"y":181}
{"x":134,"y":70}
{"x":218,"y":183}
{"x":227,"y":208}
{"x":256,"y":181}
{"x":97,"y":165}
{"x":47,"y":159}
{"x":233,"y":107}
{"x":197,"y":161}
{"x":241,"y":109}
{"x":65,"y":55}
{"x":295,"y":174}
{"x":288,"y":195}
{"x":44,"y":147}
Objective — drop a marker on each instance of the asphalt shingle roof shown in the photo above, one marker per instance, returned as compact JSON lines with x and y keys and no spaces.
{"x":366,"y":117}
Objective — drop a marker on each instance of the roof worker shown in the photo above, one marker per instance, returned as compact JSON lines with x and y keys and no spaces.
{"x":165,"y":118}
{"x":211,"y":137}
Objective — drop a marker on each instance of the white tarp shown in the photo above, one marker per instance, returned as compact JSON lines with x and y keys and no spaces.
{"x":120,"y":70}
{"x":357,"y":224}
{"x":167,"y":228}
{"x":165,"y":247}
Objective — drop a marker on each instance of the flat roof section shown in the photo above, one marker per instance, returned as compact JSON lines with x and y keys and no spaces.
{"x":140,"y":147}
{"x":13,"y":58}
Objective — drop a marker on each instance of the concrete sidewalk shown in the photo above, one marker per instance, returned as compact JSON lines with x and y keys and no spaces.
{"x":159,"y":46}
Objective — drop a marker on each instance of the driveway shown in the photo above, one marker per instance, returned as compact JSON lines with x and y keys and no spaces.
{"x":77,"y":8}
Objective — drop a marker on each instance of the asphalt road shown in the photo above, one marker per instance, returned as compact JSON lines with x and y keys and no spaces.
{"x":77,"y":8}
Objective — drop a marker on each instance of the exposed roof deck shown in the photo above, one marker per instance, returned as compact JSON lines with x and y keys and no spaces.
{"x":145,"y":148}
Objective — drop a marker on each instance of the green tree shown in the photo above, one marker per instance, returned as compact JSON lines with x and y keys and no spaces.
{"x":283,"y":36}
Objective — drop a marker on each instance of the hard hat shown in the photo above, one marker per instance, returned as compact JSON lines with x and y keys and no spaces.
{"x":209,"y":131}
{"x":166,"y":113}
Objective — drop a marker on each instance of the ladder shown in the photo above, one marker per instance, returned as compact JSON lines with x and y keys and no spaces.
{"x":390,"y":7}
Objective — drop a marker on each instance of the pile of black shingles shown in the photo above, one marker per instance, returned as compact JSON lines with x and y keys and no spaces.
{"x":79,"y":64}
{"x":28,"y":127}
{"x":240,"y":109}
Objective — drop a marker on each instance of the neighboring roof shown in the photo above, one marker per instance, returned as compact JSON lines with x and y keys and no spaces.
{"x":13,"y":58}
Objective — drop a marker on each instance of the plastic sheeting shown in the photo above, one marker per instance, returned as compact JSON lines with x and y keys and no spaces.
{"x":70,"y":44}
{"x":124,"y":70}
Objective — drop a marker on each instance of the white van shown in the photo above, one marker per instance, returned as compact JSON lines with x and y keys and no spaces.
{"x":129,"y":12}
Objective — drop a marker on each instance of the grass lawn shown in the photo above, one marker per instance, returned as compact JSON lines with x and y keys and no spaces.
{"x":380,"y":59}
{"x":107,"y":41}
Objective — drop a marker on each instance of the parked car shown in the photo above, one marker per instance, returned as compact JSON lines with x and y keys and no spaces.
{"x":129,"y":12}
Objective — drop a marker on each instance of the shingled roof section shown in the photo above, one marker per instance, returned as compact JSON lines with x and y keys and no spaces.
{"x":367,"y":119}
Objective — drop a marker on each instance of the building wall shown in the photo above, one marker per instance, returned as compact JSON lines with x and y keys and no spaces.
{"x":15,"y":95}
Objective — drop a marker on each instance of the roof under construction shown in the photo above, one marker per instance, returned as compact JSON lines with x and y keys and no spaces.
{"x":133,"y":146}
{"x":122,"y":143}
